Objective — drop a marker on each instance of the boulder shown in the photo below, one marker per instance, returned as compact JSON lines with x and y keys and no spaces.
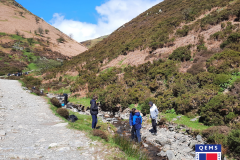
{"x":106,"y":116}
{"x":170,"y":155}
{"x":192,"y":144}
{"x":162,"y":154}
{"x":199,"y":138}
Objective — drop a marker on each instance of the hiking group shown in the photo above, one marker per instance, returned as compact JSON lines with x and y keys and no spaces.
{"x":135,"y":119}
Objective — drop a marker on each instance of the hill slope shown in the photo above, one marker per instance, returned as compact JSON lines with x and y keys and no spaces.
{"x":93,"y":42}
{"x":14,"y":18}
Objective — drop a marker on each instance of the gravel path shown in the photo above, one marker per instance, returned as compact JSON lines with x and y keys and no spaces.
{"x":29,"y":129}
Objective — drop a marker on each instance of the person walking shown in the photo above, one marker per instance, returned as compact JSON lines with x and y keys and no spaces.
{"x":94,"y":111}
{"x":153,"y":115}
{"x":131,"y":123}
{"x":65,"y":98}
{"x":137,"y":124}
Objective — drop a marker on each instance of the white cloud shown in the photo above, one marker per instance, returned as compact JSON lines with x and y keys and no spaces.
{"x":112,"y":15}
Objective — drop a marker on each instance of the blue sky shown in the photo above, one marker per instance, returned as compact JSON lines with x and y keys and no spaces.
{"x":87,"y":19}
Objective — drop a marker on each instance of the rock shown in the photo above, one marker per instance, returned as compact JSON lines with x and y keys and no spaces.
{"x":166,"y":147}
{"x":75,"y":110}
{"x":116,"y":116}
{"x":170,"y":155}
{"x":174,"y":119}
{"x":63,"y":149}
{"x":145,"y":145}
{"x":53,"y":145}
{"x":109,"y":119}
{"x":106,"y":116}
{"x":162,"y":141}
{"x":199,"y":138}
{"x":187,"y":150}
{"x":2,"y":133}
{"x":179,"y":117}
{"x":162,"y":154}
{"x":194,"y":119}
{"x":192,"y":144}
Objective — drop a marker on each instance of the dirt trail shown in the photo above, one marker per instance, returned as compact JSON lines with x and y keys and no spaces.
{"x":29,"y":129}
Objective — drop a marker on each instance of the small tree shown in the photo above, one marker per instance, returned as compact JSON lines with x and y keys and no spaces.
{"x":37,"y":19}
{"x":61,"y":40}
{"x":17,"y":32}
{"x":35,"y":32}
{"x":71,"y":36}
{"x":40,"y":31}
{"x":30,"y":41}
{"x":21,"y":13}
{"x":46,"y":31}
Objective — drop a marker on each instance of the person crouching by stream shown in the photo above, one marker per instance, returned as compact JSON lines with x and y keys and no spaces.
{"x":131,"y":123}
{"x":94,"y":111}
{"x":153,"y":115}
{"x":137,"y":124}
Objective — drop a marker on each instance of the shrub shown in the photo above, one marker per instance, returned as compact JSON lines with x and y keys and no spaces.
{"x":181,"y":54}
{"x":196,"y":68}
{"x":201,"y":47}
{"x":63,"y":112}
{"x":30,"y":41}
{"x":234,"y":142}
{"x":216,"y":110}
{"x":61,"y":40}
{"x":55,"y":102}
{"x":101,"y":134}
{"x":162,"y":121}
{"x":183,"y":32}
{"x":40,"y":30}
{"x":190,"y":115}
{"x":46,"y":31}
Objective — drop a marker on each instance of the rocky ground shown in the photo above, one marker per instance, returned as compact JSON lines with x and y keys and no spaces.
{"x":29,"y":129}
{"x":171,"y":141}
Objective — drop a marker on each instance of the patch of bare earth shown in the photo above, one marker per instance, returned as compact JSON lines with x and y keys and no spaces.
{"x":11,"y":20}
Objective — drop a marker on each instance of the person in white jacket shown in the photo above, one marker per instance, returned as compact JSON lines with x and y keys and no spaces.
{"x":153,"y":115}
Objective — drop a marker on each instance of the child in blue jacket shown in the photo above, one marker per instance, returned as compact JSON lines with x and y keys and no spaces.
{"x":137,"y":123}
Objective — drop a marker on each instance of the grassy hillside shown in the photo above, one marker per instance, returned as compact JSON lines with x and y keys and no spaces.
{"x":93,"y":42}
{"x":18,"y":53}
{"x":193,"y":80}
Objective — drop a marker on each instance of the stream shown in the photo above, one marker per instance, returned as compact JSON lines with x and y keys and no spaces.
{"x":124,"y":130}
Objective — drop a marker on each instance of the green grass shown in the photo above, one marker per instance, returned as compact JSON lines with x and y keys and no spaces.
{"x":16,"y":37}
{"x":84,"y":124}
{"x":106,"y":70}
{"x":3,"y":34}
{"x":32,"y":66}
{"x":185,"y":121}
{"x":139,"y":107}
{"x":4,"y":20}
{"x":31,"y":56}
{"x":1,"y":58}
{"x":16,"y":17}
{"x":71,"y":78}
{"x":6,"y":63}
{"x":82,"y":101}
{"x":62,"y":90}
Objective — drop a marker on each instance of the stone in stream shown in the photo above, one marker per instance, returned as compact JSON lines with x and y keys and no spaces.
{"x":192,"y":144}
{"x":106,"y":116}
{"x":109,"y":119}
{"x":174,"y":119}
{"x":194,"y":119}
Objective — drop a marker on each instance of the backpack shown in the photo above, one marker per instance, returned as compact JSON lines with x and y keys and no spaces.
{"x":72,"y":118}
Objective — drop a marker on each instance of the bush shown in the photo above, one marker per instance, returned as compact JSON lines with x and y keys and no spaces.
{"x":183,"y":32}
{"x":196,"y":68}
{"x":61,"y":40}
{"x":55,"y":102}
{"x":181,"y":54}
{"x":63,"y":112}
{"x":234,"y":142}
{"x":101,"y":134}
{"x":46,"y":31}
{"x":190,"y":115}
{"x":162,"y":121}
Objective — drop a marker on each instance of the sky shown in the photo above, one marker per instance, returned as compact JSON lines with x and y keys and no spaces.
{"x":87,"y":19}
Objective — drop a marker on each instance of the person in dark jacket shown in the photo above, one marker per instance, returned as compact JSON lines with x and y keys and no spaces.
{"x":137,"y":123}
{"x":65,"y":98}
{"x":131,"y":123}
{"x":94,"y":111}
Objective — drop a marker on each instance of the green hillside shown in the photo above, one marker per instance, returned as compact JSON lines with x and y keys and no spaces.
{"x":93,"y":42}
